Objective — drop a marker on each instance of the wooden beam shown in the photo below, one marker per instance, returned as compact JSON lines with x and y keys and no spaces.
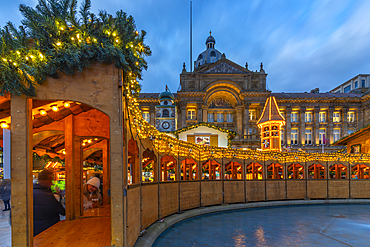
{"x":21,"y":174}
{"x":69,"y":167}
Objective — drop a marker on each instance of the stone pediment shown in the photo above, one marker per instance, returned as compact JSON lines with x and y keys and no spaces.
{"x":224,"y":68}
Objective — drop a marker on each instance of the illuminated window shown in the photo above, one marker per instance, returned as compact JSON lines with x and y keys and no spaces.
{"x":322,"y":117}
{"x":229,"y":117}
{"x":146,"y":116}
{"x":322,"y":136}
{"x":336,"y":117}
{"x":220,"y":117}
{"x":294,"y":137}
{"x":294,"y":117}
{"x":351,"y":116}
{"x":308,"y":117}
{"x":252,"y":115}
{"x":336,"y":134}
{"x":210,"y":118}
{"x":191,"y":114}
{"x":308,"y":136}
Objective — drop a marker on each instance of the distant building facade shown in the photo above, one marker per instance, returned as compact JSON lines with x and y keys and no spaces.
{"x":225,"y":94}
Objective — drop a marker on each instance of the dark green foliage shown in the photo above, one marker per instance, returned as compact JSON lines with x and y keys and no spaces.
{"x":57,"y":37}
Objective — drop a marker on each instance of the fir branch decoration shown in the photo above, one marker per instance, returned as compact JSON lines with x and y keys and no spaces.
{"x":57,"y":37}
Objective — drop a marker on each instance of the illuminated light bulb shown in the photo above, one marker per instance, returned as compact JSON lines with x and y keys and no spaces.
{"x":63,"y":152}
{"x":18,"y":52}
{"x":137,"y":33}
{"x":61,"y":28}
{"x":137,"y":63}
{"x":131,"y":45}
{"x":78,"y":36}
{"x":89,"y":141}
{"x":94,"y":40}
{"x":95,"y":139}
{"x":54,"y":108}
{"x":108,"y":33}
{"x":42,"y":112}
{"x":72,"y":38}
{"x":117,"y":40}
{"x":4,"y":59}
{"x":15,"y":64}
{"x":4,"y":125}
{"x":66,"y":104}
{"x":31,"y":56}
{"x":114,"y":34}
{"x":83,"y":144}
{"x":27,"y":58}
{"x":58,"y":44}
{"x":41,"y":56}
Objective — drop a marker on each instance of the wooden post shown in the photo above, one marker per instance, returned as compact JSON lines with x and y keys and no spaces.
{"x":21,"y":173}
{"x":78,"y":168}
{"x":69,"y":167}
{"x":106,"y":180}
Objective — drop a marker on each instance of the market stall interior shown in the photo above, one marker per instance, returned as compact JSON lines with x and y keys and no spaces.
{"x":71,"y":139}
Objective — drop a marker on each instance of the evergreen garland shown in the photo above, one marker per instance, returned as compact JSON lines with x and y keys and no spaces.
{"x":56,"y":38}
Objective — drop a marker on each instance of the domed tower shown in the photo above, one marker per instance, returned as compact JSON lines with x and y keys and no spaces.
{"x":166,"y":112}
{"x":210,"y":55}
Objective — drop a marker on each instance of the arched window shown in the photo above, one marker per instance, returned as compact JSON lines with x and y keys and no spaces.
{"x":254,"y":171}
{"x":275,"y":171}
{"x":165,"y":113}
{"x":338,"y":171}
{"x":295,"y":171}
{"x":360,"y":172}
{"x":316,"y":171}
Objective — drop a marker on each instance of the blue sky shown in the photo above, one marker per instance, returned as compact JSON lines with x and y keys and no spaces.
{"x":302,"y":44}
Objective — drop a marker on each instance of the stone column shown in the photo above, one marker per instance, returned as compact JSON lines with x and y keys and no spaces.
{"x":200,"y":114}
{"x":239,"y":121}
{"x":329,"y":131}
{"x":344,"y":131}
{"x":205,"y":114}
{"x":183,"y":117}
{"x":288,"y":125}
{"x":315,"y":137}
{"x":152,"y":115}
{"x":302,"y":126}
{"x":246,"y":120}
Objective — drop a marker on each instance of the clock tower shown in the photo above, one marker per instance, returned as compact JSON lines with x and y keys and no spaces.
{"x":166,"y":112}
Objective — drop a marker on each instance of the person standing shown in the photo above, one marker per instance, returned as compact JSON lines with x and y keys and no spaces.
{"x":46,"y":209}
{"x":5,"y":194}
{"x":91,"y":192}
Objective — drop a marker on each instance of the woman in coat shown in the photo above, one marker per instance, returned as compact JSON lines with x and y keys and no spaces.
{"x":5,"y":194}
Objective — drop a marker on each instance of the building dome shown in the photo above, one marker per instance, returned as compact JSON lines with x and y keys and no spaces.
{"x":210,"y":39}
{"x":210,"y":55}
{"x":166,"y":95}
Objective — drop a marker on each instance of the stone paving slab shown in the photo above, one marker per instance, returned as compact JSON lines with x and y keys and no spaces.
{"x":5,"y":229}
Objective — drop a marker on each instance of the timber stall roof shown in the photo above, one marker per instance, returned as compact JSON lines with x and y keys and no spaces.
{"x":315,"y":95}
{"x":346,"y":139}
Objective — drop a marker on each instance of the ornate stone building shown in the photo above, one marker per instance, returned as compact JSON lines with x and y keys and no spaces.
{"x":230,"y":96}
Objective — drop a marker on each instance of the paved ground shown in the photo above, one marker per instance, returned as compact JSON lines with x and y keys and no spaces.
{"x":5,"y":231}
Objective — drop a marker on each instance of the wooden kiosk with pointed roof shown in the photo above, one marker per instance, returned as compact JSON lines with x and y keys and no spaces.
{"x":270,"y":124}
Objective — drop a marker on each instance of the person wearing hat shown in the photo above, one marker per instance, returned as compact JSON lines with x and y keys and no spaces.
{"x":91,"y":191}
{"x":46,"y":209}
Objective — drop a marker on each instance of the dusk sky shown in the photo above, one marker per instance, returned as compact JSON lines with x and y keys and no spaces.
{"x":302,"y":44}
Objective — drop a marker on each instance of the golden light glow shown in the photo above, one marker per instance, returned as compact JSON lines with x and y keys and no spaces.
{"x":54,"y":108}
{"x":58,"y":43}
{"x":66,"y":104}
{"x":42,"y":112}
{"x":4,"y":125}
{"x":89,"y":141}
